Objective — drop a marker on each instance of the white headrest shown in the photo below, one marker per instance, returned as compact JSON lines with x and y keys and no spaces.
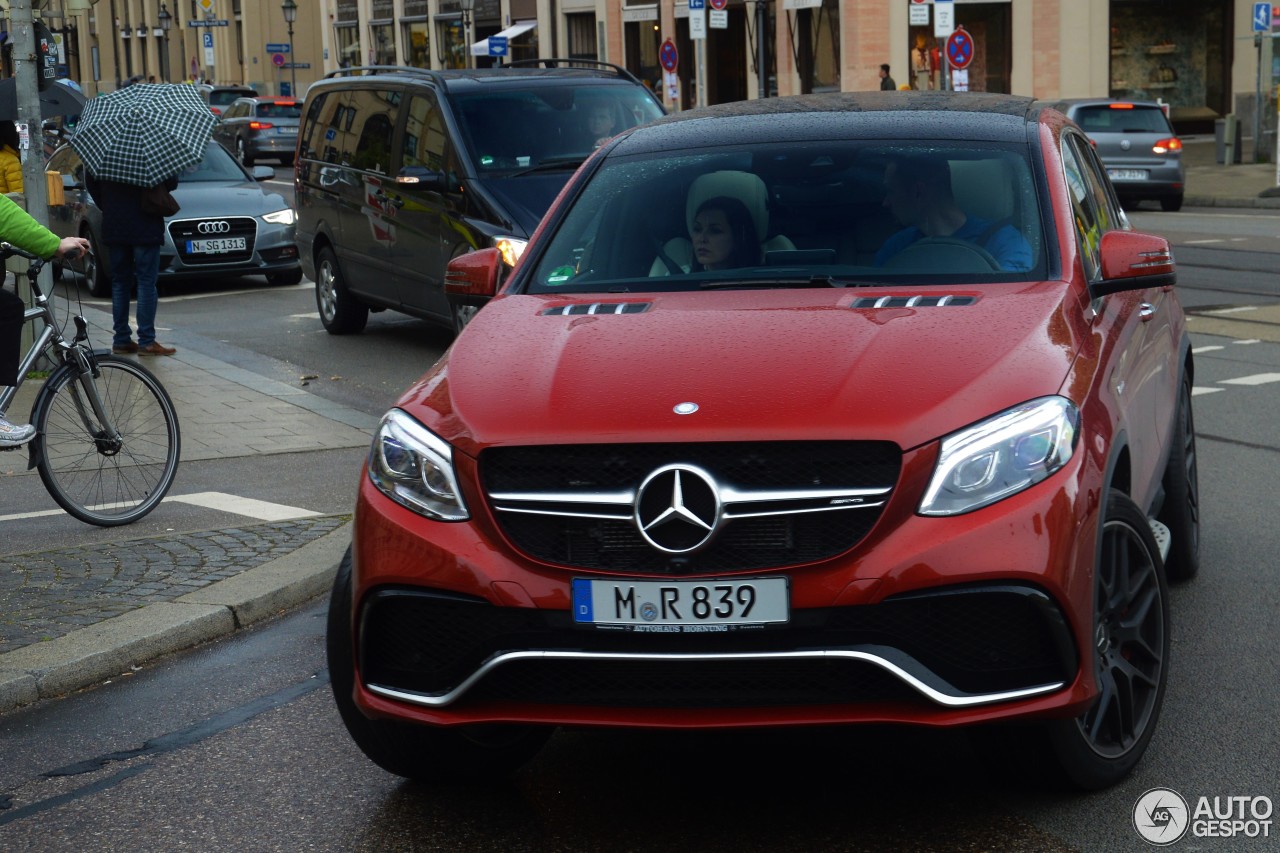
{"x":744,"y":186}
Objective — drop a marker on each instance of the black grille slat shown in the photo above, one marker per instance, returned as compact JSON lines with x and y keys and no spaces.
{"x":981,"y":640}
{"x":189,"y":229}
{"x":742,"y":544}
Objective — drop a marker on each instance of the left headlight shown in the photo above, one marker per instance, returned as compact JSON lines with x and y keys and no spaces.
{"x":1002,"y":455}
{"x":511,"y":248}
{"x":281,"y":217}
{"x":414,"y":467}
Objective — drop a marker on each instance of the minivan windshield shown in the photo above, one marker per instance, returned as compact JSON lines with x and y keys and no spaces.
{"x":519,"y":129}
{"x":796,"y":214}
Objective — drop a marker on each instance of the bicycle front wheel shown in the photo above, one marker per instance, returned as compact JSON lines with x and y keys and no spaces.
{"x":96,"y":477}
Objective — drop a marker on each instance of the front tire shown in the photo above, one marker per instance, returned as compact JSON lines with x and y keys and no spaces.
{"x":284,"y":278}
{"x":96,"y":275}
{"x":1130,"y":655}
{"x":420,"y":752}
{"x":1181,"y":510}
{"x":242,"y":155}
{"x":340,"y":312}
{"x":94,"y":476}
{"x":1172,"y":204}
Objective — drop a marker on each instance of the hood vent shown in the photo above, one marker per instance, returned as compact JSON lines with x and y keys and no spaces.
{"x":918,"y":301}
{"x":597,"y":308}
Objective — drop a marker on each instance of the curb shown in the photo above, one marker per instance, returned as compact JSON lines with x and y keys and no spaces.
{"x":93,"y":654}
{"x":1223,"y":201}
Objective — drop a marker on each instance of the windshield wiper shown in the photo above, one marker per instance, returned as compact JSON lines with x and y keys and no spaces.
{"x":807,"y":281}
{"x":552,"y":164}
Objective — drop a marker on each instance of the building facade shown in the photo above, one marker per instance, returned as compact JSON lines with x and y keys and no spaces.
{"x":1199,"y":56}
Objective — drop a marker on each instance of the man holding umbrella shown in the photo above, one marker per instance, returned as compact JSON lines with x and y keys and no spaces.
{"x":131,"y":141}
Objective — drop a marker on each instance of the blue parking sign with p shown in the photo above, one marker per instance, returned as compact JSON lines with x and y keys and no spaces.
{"x":208,"y":38}
{"x":1262,"y":17}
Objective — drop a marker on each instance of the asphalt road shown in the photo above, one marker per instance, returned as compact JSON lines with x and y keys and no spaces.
{"x":237,"y":745}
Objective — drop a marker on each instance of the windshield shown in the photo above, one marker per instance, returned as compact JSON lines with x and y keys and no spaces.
{"x":560,"y":124}
{"x":799,"y":214}
{"x":1123,"y":118}
{"x":278,"y":109}
{"x":222,"y":97}
{"x":217,"y":165}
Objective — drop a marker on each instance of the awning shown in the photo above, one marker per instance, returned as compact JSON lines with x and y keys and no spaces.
{"x":481,"y":48}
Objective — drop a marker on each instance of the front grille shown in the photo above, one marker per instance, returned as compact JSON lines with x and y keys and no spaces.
{"x":982,"y":639}
{"x":742,"y":544}
{"x":184,"y":231}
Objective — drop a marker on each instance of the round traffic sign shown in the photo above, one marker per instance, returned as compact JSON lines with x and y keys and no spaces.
{"x":668,"y":55}
{"x":960,"y":48}
{"x":718,"y":4}
{"x":277,"y":59}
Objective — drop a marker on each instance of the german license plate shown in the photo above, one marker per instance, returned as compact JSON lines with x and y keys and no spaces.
{"x":1127,"y":174}
{"x":215,"y":246}
{"x":287,"y":131}
{"x":680,"y":606}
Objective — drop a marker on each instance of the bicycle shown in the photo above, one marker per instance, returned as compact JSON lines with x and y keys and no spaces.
{"x":107,"y":438}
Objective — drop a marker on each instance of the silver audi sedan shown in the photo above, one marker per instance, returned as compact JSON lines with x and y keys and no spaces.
{"x":229,"y":224}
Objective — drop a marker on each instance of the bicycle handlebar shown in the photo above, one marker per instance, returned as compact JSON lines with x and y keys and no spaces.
{"x":8,"y":250}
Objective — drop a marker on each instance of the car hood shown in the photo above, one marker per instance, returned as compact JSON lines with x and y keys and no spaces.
{"x":759,"y":366}
{"x":216,"y":198}
{"x":524,"y":199}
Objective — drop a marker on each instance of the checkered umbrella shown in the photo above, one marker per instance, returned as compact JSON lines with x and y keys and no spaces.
{"x":144,"y":133}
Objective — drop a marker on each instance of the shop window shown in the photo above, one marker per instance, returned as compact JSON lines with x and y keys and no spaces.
{"x":582,"y":35}
{"x":417,"y":44}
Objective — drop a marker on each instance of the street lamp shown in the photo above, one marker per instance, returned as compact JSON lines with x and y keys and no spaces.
{"x":166,"y":21}
{"x":466,"y":6}
{"x":290,"y":9}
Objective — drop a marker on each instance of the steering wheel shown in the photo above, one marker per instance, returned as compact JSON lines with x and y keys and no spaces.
{"x":945,"y":254}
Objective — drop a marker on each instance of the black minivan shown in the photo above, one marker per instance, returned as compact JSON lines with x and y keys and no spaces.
{"x":399,"y":170}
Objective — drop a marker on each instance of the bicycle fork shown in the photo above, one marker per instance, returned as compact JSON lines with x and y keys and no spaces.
{"x":85,"y":396}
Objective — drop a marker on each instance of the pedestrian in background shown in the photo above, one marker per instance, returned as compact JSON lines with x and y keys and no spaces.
{"x":10,"y":160}
{"x":133,"y":239}
{"x":886,"y":82}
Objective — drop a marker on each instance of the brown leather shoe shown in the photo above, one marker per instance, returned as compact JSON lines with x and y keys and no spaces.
{"x":124,"y":349}
{"x":156,"y":348}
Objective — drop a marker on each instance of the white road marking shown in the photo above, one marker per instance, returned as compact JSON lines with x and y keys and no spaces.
{"x":1198,"y":242}
{"x":314,"y":315}
{"x":256,"y":290}
{"x":1240,"y":309}
{"x":243,"y":506}
{"x":1255,"y":379}
{"x":1197,"y":390}
{"x":261,"y":510}
{"x":1198,"y":350}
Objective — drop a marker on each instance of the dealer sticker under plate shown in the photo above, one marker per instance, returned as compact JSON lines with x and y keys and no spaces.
{"x":680,"y":606}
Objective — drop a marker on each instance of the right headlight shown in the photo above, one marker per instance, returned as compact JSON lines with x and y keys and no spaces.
{"x":414,"y":467}
{"x":1002,"y":455}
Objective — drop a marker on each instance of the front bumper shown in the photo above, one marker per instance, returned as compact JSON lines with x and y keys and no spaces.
{"x":269,"y":249}
{"x":934,"y":621}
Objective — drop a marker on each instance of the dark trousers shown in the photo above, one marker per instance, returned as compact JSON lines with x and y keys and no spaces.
{"x":11,"y":309}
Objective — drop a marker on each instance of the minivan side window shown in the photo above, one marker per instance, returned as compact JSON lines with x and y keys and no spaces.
{"x":320,"y":132}
{"x":372,"y":127}
{"x":426,"y":142}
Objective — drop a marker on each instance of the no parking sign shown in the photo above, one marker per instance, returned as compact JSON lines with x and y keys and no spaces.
{"x":960,"y":48}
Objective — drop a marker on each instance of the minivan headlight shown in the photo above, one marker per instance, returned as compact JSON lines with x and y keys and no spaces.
{"x":511,"y":248}
{"x":1002,"y":455}
{"x":414,"y":467}
{"x":281,"y":217}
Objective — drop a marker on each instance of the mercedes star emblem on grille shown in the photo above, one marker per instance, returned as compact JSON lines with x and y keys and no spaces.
{"x":678,"y":508}
{"x":220,"y":226}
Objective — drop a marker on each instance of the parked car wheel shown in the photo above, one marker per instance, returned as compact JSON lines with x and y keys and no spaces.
{"x":340,"y":312}
{"x":95,"y":270}
{"x":283,"y":278}
{"x":1171,"y":204}
{"x":242,"y":155}
{"x":1131,"y":632}
{"x":1181,"y":510}
{"x":413,"y":751}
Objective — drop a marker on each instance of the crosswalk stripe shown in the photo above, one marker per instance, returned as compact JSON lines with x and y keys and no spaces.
{"x":1255,"y":379}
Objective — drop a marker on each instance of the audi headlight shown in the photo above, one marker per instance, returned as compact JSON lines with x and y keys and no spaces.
{"x":511,"y":248}
{"x":414,"y":467}
{"x":281,"y":217}
{"x":1002,"y":455}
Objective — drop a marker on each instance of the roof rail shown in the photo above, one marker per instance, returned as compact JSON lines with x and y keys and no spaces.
{"x":595,"y":64}
{"x":380,"y":69}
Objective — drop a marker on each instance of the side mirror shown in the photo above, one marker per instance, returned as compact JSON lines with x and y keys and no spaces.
{"x":1134,"y":261}
{"x":474,"y":274}
{"x":422,"y":178}
{"x":263,"y":173}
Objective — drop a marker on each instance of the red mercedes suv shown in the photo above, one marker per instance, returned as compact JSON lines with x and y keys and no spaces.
{"x":821,"y":410}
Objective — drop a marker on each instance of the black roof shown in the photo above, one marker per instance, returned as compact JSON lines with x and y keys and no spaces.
{"x":842,"y":115}
{"x":550,"y":72}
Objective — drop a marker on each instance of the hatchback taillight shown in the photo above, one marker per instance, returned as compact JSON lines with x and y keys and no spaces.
{"x":1172,"y":145}
{"x":263,"y":125}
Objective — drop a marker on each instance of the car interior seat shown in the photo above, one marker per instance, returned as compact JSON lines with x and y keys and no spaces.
{"x":747,"y":188}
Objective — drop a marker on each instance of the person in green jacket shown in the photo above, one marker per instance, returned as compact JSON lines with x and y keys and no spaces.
{"x":20,"y":229}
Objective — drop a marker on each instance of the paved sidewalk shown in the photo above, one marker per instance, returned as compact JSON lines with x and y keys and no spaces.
{"x":74,"y":617}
